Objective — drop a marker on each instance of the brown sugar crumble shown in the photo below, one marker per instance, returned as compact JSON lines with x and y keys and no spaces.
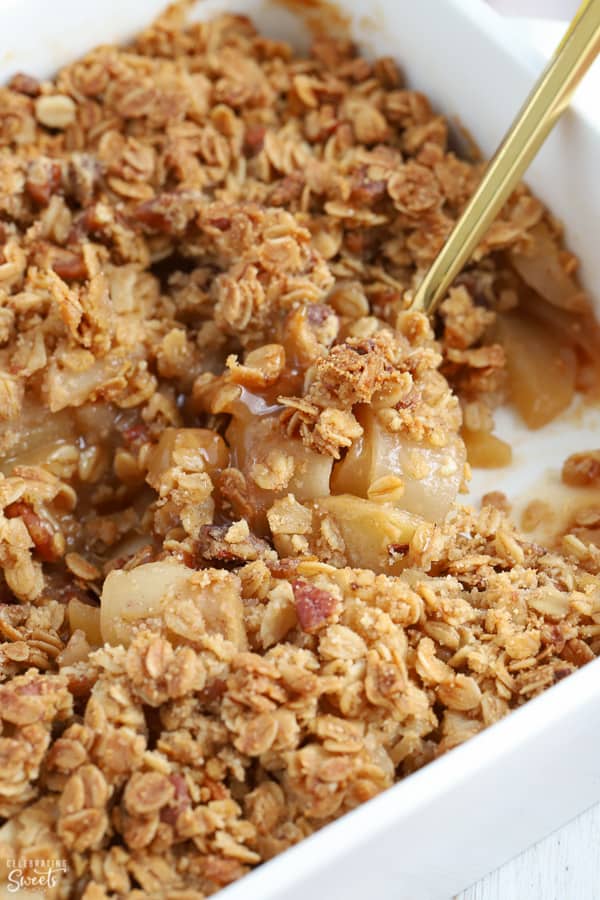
{"x":237,"y":595}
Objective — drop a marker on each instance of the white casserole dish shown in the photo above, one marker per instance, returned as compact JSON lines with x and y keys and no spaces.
{"x":466,"y":813}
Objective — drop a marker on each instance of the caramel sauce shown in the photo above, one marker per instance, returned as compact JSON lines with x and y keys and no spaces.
{"x":92,"y":433}
{"x":258,"y":405}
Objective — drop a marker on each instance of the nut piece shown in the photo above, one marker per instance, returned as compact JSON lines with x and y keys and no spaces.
{"x":55,"y":111}
{"x":582,"y":469}
{"x":314,"y":606}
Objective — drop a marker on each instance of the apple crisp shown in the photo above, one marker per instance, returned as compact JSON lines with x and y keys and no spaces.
{"x":238,"y":595}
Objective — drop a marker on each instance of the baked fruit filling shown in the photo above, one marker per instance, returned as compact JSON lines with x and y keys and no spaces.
{"x":239,"y":594}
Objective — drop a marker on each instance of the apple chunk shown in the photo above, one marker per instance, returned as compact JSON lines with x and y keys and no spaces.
{"x":192,"y":448}
{"x":422,"y":479}
{"x":374,"y":535}
{"x":541,"y":368}
{"x":131,"y":595}
{"x":189,"y":604}
{"x":256,"y":444}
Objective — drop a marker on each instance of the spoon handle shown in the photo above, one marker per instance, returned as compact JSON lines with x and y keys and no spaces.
{"x":539,"y":113}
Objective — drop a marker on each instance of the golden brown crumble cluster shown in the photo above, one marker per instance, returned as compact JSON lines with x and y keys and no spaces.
{"x":237,"y":597}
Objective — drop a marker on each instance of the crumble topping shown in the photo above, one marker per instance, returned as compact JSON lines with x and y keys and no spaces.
{"x":237,"y":595}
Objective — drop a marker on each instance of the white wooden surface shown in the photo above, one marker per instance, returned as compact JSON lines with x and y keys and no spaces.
{"x":565,"y":866}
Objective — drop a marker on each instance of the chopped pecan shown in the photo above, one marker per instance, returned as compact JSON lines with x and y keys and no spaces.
{"x":43,"y":180}
{"x":582,"y":469}
{"x":253,"y":139}
{"x":136,"y":435}
{"x":84,"y":175}
{"x":287,"y":190}
{"x":365,"y":190}
{"x":69,"y":265}
{"x":167,"y":213}
{"x":180,"y":802}
{"x":314,"y":606}
{"x":25,"y":84}
{"x":48,"y":543}
{"x":212,"y":545}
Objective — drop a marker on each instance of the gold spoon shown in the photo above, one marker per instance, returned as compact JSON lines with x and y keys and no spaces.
{"x":548,"y":99}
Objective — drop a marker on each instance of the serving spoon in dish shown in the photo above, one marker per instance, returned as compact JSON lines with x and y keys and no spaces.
{"x":538,"y":115}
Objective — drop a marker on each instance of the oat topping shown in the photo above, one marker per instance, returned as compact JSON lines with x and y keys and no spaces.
{"x":238,"y":597}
